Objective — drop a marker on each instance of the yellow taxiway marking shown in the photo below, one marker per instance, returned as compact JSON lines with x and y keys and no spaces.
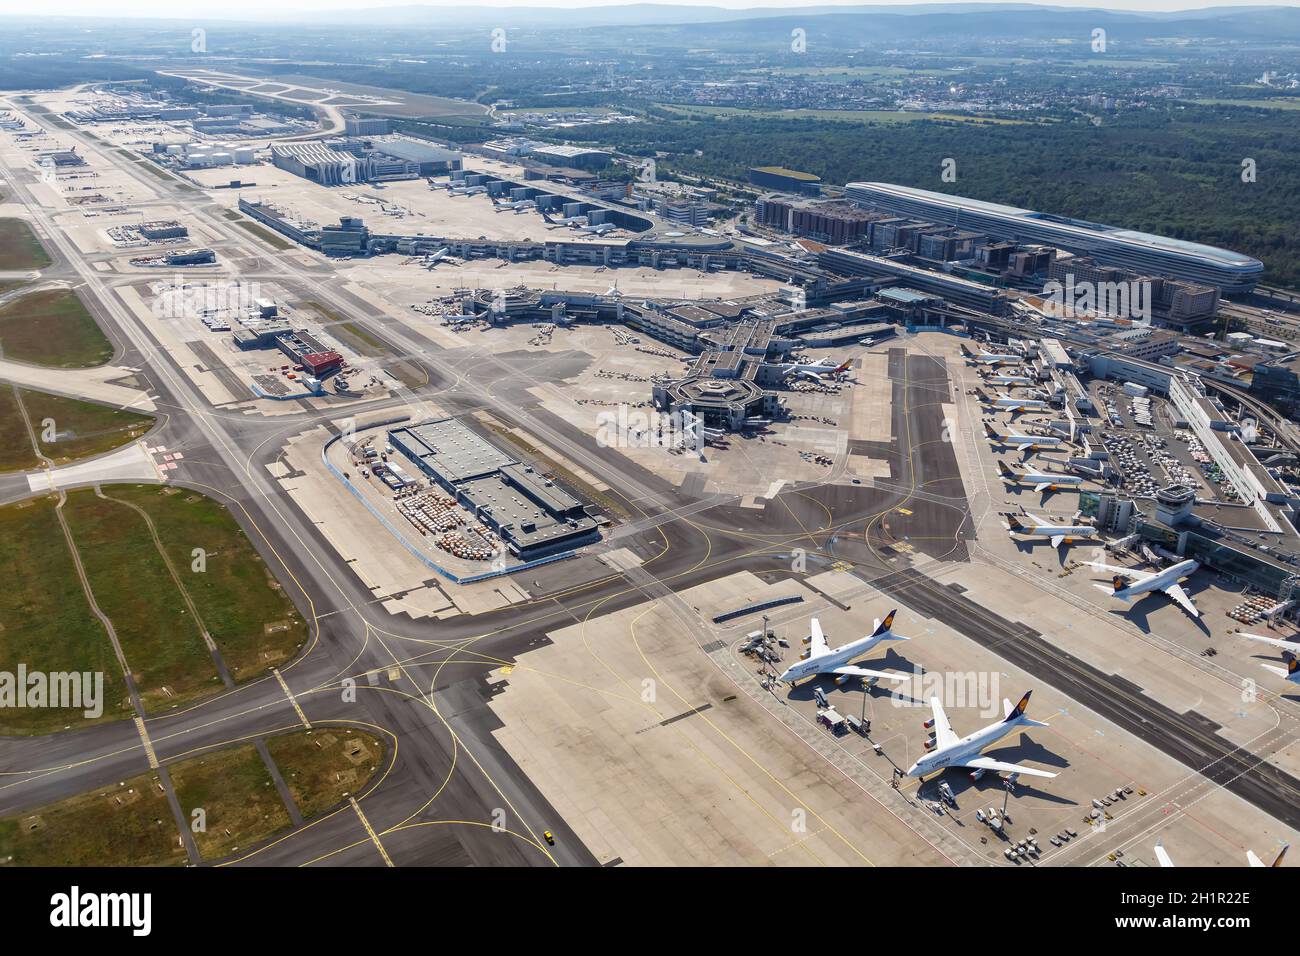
{"x":374,"y":837}
{"x":293,"y":700}
{"x":148,"y":744}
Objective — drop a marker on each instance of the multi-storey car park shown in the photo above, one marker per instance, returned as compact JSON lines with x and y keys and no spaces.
{"x":1231,"y":272}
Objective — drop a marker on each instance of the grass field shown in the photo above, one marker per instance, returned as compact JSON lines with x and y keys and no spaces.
{"x":239,"y":801}
{"x":266,"y":235}
{"x":15,"y":444}
{"x":360,"y":338}
{"x":19,"y":247}
{"x":45,"y":621}
{"x":81,"y":429}
{"x":327,"y":314}
{"x":131,"y":583}
{"x":252,"y":621}
{"x":52,"y":328}
{"x":324,"y":767}
{"x":131,"y":824}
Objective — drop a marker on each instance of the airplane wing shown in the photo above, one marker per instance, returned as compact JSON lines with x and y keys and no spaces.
{"x":817,"y":639}
{"x":988,"y":763}
{"x":1163,"y":855}
{"x":1176,"y":592}
{"x":943,"y":732}
{"x":1275,"y":641}
{"x":1256,"y":861}
{"x":1130,"y":573}
{"x":1042,"y":486}
{"x":851,"y":670}
{"x":1058,"y":540}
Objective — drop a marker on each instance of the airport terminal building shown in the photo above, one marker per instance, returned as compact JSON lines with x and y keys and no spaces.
{"x":1231,"y":272}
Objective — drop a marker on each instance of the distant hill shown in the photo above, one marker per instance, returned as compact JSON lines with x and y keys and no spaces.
{"x":848,"y":24}
{"x":988,"y":19}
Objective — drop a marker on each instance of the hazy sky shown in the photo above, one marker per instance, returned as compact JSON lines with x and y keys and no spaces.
{"x":229,"y":9}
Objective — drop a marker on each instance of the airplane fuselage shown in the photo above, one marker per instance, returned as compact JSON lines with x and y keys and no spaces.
{"x":1026,"y":404}
{"x":1028,"y":441}
{"x":1038,"y":478}
{"x":1009,"y":380}
{"x":1051,"y":530}
{"x":831,"y":659}
{"x":964,"y":749}
{"x":1170,"y":575}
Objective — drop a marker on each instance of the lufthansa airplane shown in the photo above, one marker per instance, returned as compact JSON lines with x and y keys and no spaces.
{"x":945,"y":749}
{"x":821,"y":659}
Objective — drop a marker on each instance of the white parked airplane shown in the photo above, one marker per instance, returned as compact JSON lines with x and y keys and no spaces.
{"x":1254,"y":860}
{"x":820,"y":659}
{"x":1289,"y":651}
{"x":599,"y":228}
{"x":1041,"y":480}
{"x":1058,"y":534}
{"x":1001,"y":378}
{"x":945,"y":749}
{"x":1128,"y":583}
{"x":1165,"y":860}
{"x":1005,"y":403}
{"x":1011,"y":439}
{"x":990,"y":358}
{"x":816,"y":371}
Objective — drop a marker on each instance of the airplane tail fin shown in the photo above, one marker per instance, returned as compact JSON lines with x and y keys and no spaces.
{"x":1281,"y":853}
{"x":1004,"y":471}
{"x":885,"y":627}
{"x":1017,"y":713}
{"x":1014,"y":523}
{"x":842,"y":368}
{"x":1119,"y":584}
{"x":988,"y":430}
